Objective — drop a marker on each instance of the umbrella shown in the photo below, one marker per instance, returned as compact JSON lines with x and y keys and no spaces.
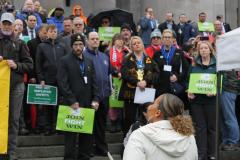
{"x":117,"y":17}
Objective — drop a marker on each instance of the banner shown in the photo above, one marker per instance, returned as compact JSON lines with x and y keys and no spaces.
{"x":106,"y":33}
{"x":80,"y":120}
{"x":228,"y":53}
{"x":38,"y":94}
{"x":113,"y":99}
{"x":203,"y":83}
{"x":206,"y":27}
{"x":4,"y":105}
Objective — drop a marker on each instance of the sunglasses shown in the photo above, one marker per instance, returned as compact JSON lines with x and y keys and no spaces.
{"x":78,"y":24}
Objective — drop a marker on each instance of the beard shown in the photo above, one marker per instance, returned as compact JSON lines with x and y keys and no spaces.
{"x":7,"y":33}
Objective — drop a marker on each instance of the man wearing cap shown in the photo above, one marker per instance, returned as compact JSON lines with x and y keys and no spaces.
{"x":77,"y":83}
{"x":155,"y":43}
{"x":126,"y":33}
{"x":57,"y":19}
{"x":15,"y":52}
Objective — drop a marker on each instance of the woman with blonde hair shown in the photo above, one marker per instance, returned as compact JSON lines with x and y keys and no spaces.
{"x":169,"y":136}
{"x":138,"y":70}
{"x":203,"y":106}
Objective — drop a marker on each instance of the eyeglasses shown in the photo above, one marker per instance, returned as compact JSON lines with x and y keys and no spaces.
{"x":167,"y":37}
{"x":156,"y":37}
{"x":78,"y":24}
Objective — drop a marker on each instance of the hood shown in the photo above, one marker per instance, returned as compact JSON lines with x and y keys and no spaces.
{"x":83,"y":17}
{"x":212,"y":62}
{"x":166,"y":139}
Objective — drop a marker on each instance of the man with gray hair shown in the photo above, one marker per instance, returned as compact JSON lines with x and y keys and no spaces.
{"x":16,"y":54}
{"x":78,"y":26}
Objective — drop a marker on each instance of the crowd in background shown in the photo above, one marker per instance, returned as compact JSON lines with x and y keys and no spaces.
{"x":160,"y":56}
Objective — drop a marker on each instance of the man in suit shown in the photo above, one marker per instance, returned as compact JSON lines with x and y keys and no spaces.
{"x":147,"y":23}
{"x":30,"y":29}
{"x":169,"y":24}
{"x":225,"y":26}
{"x":77,"y":84}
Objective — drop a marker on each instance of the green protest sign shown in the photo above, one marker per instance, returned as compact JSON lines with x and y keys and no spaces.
{"x":25,"y":39}
{"x":80,"y":120}
{"x":203,"y":83}
{"x":206,"y":27}
{"x":38,"y":94}
{"x":106,"y":33}
{"x":113,"y":99}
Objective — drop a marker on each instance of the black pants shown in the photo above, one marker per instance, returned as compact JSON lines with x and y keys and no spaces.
{"x":100,"y":125}
{"x":204,"y":116}
{"x":130,"y":115}
{"x":85,"y":143}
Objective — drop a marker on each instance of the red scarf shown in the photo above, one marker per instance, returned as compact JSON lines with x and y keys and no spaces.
{"x":116,"y":58}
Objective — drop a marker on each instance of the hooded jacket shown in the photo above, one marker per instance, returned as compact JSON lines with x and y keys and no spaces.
{"x":83,"y":17}
{"x":158,"y":141}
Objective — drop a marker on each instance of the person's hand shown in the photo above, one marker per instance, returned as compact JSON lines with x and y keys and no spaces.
{"x":1,"y":58}
{"x":211,"y":95}
{"x":142,"y":85}
{"x":42,"y":83}
{"x":191,"y":95}
{"x":95,"y":105}
{"x":173,"y":78}
{"x":12,"y":64}
{"x":148,"y":16}
{"x":75,"y":105}
{"x":119,"y":75}
{"x":32,"y":80}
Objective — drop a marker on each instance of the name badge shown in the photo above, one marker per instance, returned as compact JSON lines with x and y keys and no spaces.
{"x":167,"y":68}
{"x":85,"y":80}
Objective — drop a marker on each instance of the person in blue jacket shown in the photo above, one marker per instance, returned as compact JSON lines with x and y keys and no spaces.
{"x":147,"y":24}
{"x":57,"y":19}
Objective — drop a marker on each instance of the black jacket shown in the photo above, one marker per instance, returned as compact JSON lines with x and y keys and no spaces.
{"x":71,"y":81}
{"x":163,"y":26}
{"x":32,"y":45}
{"x":16,"y":50}
{"x":47,"y":60}
{"x":129,"y":75}
{"x":163,"y":85}
{"x":227,"y":27}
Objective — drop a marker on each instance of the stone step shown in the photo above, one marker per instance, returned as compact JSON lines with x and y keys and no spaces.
{"x":40,"y":140}
{"x":115,"y":157}
{"x":55,"y":151}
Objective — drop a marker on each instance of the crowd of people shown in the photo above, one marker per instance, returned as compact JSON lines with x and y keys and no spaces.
{"x":66,"y":52}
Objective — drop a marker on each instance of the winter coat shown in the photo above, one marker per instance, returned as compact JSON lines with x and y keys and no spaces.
{"x":47,"y":61}
{"x":158,"y":141}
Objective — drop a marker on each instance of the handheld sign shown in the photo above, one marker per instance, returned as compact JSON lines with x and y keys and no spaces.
{"x":4,"y":105}
{"x":107,"y":33}
{"x":113,"y":99}
{"x":38,"y":94}
{"x":80,"y":120}
{"x":203,"y":83}
{"x":147,"y":95}
{"x":206,"y":27}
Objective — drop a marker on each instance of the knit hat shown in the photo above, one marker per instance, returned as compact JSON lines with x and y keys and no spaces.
{"x":156,"y":33}
{"x":77,"y":37}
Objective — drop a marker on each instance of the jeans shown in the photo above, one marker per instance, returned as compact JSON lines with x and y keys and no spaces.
{"x":15,"y":105}
{"x":229,"y":123}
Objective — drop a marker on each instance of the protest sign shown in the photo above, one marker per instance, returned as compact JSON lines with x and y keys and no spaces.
{"x":106,"y":33}
{"x":113,"y":99}
{"x":4,"y":105}
{"x":203,"y":83}
{"x":143,"y":96}
{"x":38,"y":94}
{"x":206,"y":27}
{"x":80,"y":120}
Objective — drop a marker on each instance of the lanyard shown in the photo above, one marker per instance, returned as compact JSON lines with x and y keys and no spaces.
{"x":140,"y":64}
{"x":81,"y":64}
{"x":168,"y":55}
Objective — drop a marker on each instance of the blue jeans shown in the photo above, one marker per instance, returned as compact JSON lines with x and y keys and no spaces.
{"x":229,"y":123}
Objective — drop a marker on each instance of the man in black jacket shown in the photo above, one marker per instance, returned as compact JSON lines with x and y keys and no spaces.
{"x":169,"y":24}
{"x":15,"y":52}
{"x":47,"y":59}
{"x":77,"y":84}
